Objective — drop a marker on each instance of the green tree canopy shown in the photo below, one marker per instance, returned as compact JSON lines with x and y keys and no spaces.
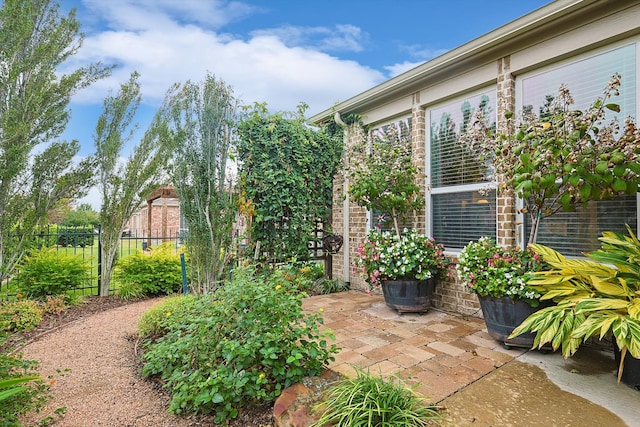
{"x":204,"y":120}
{"x":36,"y":170}
{"x":124,"y":184}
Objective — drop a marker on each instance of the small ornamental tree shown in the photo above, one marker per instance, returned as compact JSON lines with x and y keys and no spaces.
{"x":382,"y":177}
{"x":564,"y":157}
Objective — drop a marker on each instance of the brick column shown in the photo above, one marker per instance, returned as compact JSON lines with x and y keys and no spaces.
{"x":506,"y":101}
{"x":418,"y":152}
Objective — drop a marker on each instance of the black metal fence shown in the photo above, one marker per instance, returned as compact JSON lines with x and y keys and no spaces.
{"x":86,"y":243}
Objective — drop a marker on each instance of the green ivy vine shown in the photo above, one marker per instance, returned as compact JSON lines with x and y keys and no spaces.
{"x":286,"y":172}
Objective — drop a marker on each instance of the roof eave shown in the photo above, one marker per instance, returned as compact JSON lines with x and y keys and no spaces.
{"x":490,"y":41}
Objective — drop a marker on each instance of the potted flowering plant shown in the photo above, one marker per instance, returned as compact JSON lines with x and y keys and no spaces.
{"x":558,"y":160}
{"x":383,"y":179}
{"x":404,"y":267}
{"x":498,"y":276}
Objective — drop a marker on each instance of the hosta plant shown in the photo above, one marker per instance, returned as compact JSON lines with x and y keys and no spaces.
{"x":593,"y":297}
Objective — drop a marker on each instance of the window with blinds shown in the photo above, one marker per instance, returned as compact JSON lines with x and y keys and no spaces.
{"x":398,"y":132}
{"x":573,"y":233}
{"x":462,"y":199}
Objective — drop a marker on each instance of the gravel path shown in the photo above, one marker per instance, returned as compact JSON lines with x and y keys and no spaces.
{"x":101,"y":386}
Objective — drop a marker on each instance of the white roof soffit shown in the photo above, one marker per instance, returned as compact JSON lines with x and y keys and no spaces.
{"x":502,"y":35}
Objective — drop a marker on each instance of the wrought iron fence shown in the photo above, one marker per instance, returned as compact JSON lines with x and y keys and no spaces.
{"x":86,"y":243}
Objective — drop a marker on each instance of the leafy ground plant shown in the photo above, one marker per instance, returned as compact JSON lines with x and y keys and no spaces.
{"x":240,"y":346}
{"x":20,"y":389}
{"x":368,"y":400}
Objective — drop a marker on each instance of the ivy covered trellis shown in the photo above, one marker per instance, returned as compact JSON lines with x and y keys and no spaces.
{"x":286,"y":175}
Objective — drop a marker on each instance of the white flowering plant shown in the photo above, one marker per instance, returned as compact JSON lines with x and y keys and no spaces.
{"x":491,"y":270}
{"x":385,"y":256}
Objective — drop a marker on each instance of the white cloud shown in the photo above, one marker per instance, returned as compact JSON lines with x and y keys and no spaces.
{"x":262,"y":68}
{"x":326,"y":39}
{"x":149,"y":14}
{"x":397,"y":69}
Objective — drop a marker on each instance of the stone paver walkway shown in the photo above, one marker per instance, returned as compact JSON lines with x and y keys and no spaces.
{"x":442,"y":352}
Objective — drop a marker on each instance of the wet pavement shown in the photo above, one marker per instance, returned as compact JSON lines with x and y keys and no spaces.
{"x":453,"y":361}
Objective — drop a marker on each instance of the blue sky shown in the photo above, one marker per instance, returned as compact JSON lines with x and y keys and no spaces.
{"x":281,"y":52}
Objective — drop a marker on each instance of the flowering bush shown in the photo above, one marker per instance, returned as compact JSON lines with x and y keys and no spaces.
{"x":491,"y":270}
{"x":385,"y":256}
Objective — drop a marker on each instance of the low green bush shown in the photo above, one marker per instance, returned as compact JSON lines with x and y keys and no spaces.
{"x":368,"y":400}
{"x":18,"y":316}
{"x":238,"y":347}
{"x":155,"y":272}
{"x":302,"y":276}
{"x":156,"y":321}
{"x":49,"y":272}
{"x":76,"y":236}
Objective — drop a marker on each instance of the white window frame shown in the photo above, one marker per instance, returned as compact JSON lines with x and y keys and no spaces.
{"x":429,"y":190}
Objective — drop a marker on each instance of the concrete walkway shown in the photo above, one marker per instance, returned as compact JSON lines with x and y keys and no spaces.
{"x":452,"y":359}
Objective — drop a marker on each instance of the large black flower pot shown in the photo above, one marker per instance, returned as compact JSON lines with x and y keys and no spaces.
{"x":407,"y":295}
{"x":503,"y":315}
{"x":630,"y":368}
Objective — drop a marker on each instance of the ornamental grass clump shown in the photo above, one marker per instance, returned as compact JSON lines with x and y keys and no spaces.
{"x":367,"y":400}
{"x":385,"y":256}
{"x":491,"y":270}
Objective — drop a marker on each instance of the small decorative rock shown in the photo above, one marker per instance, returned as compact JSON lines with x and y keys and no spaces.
{"x":294,"y":407}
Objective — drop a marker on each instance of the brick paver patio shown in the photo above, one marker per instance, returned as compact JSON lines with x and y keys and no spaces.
{"x":441,"y":352}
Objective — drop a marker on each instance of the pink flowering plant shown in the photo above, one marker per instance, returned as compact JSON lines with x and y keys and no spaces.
{"x":491,"y":270}
{"x":385,"y":256}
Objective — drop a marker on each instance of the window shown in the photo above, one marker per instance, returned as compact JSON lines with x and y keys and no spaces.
{"x":573,"y":233}
{"x":462,"y":196}
{"x":399,"y":132}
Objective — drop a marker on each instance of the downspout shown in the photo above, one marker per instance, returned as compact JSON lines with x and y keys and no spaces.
{"x":346,"y":271}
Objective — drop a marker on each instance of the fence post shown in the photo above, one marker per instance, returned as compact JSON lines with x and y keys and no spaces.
{"x":99,"y":259}
{"x":185,"y":285}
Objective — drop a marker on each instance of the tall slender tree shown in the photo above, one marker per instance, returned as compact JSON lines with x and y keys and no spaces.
{"x":204,"y":119}
{"x":124,"y":182}
{"x":36,"y":171}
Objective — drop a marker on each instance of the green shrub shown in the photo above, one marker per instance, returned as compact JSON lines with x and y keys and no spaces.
{"x":367,"y":400}
{"x":20,"y":316}
{"x":149,"y":273}
{"x":155,"y":322}
{"x":301,"y":276}
{"x":32,"y":395}
{"x":48,"y":272}
{"x":239,"y":346}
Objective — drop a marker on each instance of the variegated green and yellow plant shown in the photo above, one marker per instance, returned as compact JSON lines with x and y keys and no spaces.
{"x":594,"y":296}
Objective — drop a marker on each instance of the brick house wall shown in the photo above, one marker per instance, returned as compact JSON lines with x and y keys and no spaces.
{"x":558,"y":33}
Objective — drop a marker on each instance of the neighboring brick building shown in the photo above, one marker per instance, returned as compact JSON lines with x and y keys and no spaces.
{"x":159,"y":218}
{"x":580,"y":43}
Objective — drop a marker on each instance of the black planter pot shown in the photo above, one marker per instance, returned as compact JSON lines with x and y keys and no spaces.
{"x":503,"y":315}
{"x":407,"y":295}
{"x":630,"y":368}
